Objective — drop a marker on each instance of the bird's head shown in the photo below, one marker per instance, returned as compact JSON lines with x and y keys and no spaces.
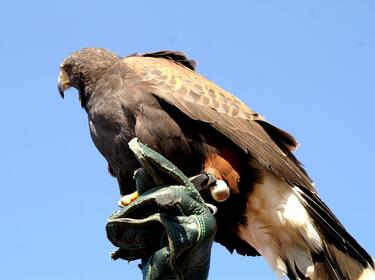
{"x":82,"y":69}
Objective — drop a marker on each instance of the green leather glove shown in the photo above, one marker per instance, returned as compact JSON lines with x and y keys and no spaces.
{"x":169,"y":227}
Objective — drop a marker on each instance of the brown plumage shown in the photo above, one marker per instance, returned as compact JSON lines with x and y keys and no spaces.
{"x":273,"y":208}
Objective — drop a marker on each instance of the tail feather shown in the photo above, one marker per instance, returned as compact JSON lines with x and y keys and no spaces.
{"x":342,"y":256}
{"x":324,"y":270}
{"x":299,"y":236}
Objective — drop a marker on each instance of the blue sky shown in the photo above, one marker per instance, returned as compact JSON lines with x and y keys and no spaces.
{"x":308,"y":66}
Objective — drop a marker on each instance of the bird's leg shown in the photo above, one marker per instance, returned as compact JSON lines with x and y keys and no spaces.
{"x":210,"y":179}
{"x":222,"y":169}
{"x":219,"y":190}
{"x":127,"y":199}
{"x":203,"y":180}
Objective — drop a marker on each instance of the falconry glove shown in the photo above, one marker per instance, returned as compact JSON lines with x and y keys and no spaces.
{"x":169,"y":227}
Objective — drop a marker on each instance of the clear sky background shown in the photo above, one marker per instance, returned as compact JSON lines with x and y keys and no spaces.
{"x":308,"y":66}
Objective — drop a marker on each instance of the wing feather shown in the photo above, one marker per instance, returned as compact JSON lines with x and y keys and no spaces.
{"x":202,"y":100}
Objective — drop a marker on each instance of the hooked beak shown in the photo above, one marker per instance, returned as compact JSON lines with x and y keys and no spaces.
{"x":63,"y":83}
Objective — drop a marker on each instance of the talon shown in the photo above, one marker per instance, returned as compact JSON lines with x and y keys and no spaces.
{"x":127,"y":199}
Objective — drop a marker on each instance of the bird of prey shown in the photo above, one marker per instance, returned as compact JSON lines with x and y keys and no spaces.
{"x":272,"y":208}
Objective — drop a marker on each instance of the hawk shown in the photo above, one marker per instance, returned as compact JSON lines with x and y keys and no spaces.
{"x":271,"y":207}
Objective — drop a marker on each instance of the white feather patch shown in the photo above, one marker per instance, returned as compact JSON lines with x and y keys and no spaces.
{"x":368,"y":274}
{"x":294,"y":212}
{"x":279,"y":227}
